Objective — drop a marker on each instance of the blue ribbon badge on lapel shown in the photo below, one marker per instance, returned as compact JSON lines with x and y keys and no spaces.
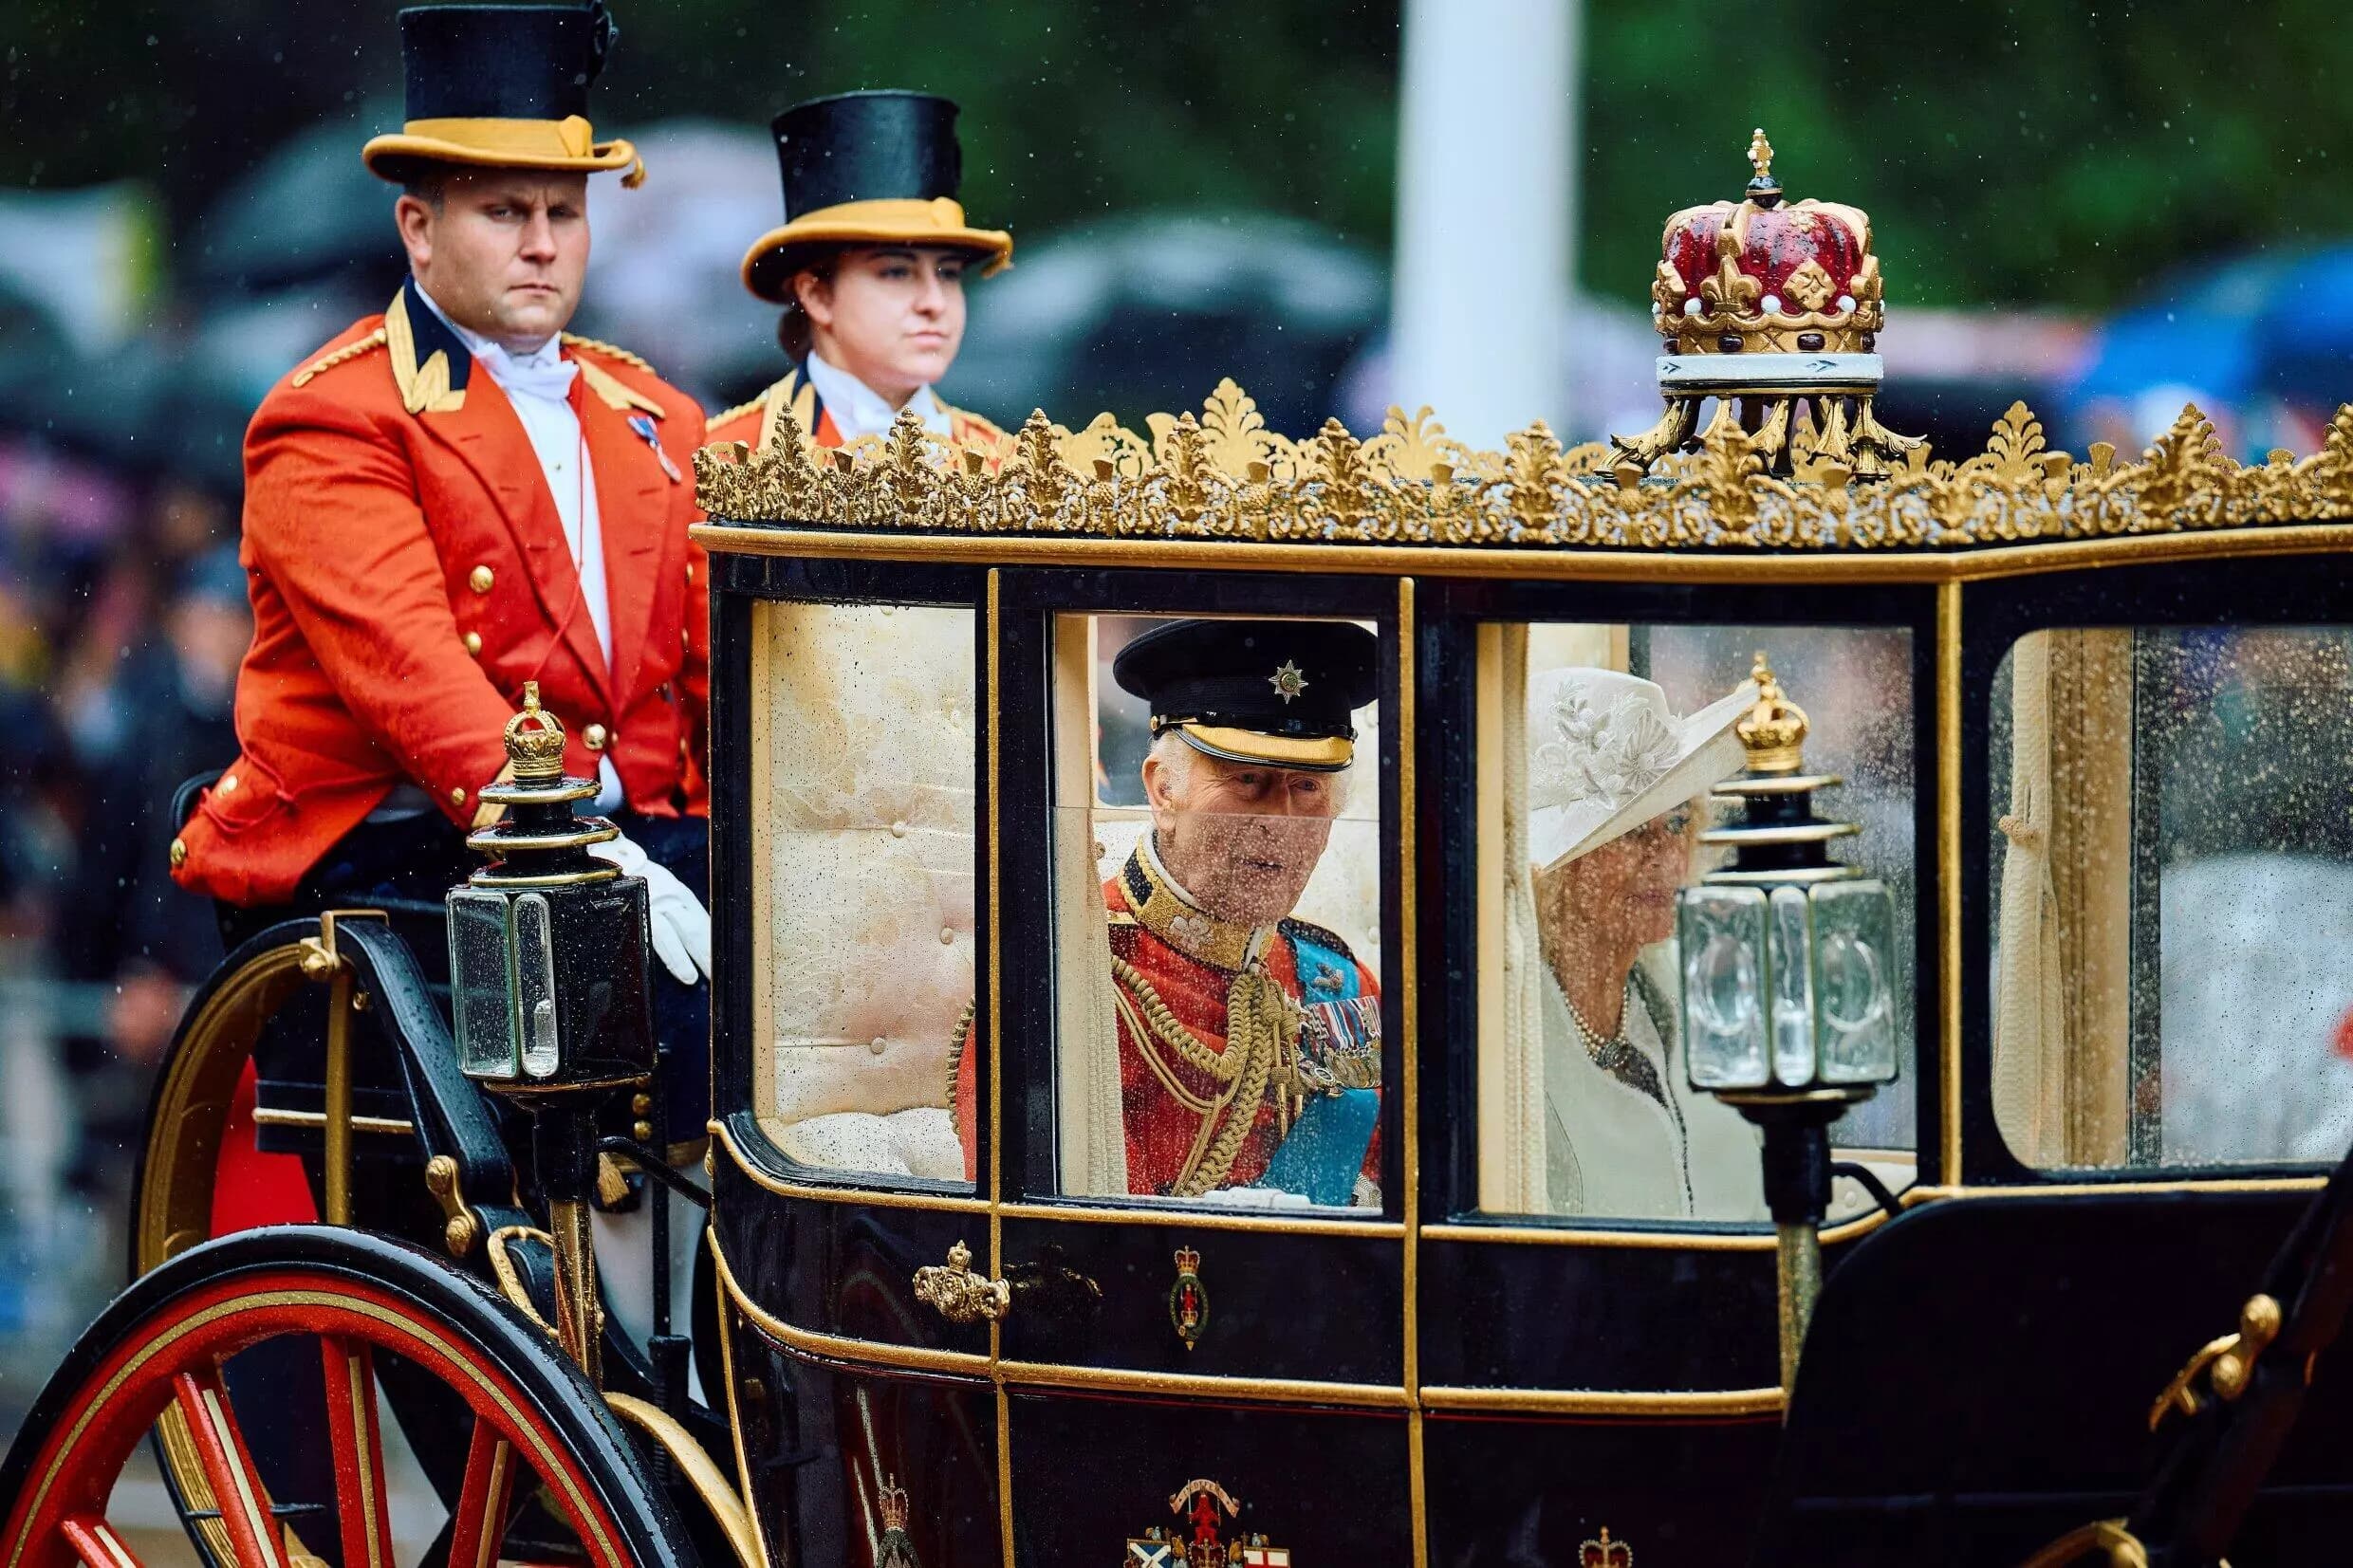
{"x":643,"y":424}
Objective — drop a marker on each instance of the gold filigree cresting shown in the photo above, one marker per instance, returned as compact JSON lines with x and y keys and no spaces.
{"x":1222,"y":474}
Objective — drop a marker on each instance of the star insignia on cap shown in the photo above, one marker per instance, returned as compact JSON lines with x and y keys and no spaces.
{"x":1287,"y":680}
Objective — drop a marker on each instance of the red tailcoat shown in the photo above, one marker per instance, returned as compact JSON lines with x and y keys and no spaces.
{"x":409,"y":572}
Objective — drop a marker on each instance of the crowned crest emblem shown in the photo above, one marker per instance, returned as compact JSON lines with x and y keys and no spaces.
{"x":1605,"y":1552}
{"x":1187,"y":1298}
{"x":894,"y":1549}
{"x":1208,"y":1508}
{"x":1287,"y":681}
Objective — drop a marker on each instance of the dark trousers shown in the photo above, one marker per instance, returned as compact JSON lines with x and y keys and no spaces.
{"x":416,"y":860}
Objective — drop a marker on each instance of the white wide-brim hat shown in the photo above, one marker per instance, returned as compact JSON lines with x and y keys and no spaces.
{"x":1606,"y":754}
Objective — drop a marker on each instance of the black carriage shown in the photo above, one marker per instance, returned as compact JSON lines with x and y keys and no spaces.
{"x":1989,"y":934}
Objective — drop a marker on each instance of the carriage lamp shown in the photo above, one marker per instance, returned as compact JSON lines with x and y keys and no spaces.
{"x":1788,"y":985}
{"x":547,"y":985}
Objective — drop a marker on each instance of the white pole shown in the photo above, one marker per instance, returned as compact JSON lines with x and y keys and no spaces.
{"x":1487,"y":174}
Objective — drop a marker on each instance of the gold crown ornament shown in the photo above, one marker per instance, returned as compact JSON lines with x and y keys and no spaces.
{"x":534,"y":738}
{"x":893,"y":1505}
{"x":1775,"y":306}
{"x":1772,"y":731}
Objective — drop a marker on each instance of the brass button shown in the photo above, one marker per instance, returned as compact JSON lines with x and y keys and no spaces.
{"x":690,"y":571}
{"x":642,"y":1131}
{"x":228,"y":784}
{"x":473,"y":643}
{"x":595,"y":737}
{"x":179,"y":854}
{"x":480,"y":578}
{"x":947,"y":936}
{"x":641,"y":1104}
{"x":877,"y":1044}
{"x":457,"y":795}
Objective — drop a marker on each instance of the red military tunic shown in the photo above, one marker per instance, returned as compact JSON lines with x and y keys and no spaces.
{"x":409,"y":572}
{"x":1178,"y":1112}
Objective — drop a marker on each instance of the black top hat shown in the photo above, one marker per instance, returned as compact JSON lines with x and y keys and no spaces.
{"x":1275,"y":692}
{"x":869,"y":167}
{"x":504,"y":86}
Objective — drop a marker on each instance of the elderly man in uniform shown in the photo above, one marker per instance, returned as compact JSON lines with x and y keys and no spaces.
{"x":870,"y":267}
{"x":1249,"y":1040}
{"x":456,"y":497}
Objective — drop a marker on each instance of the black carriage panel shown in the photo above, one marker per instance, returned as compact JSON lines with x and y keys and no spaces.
{"x":1148,"y":1484}
{"x":841,"y":1271}
{"x":1120,"y":1254}
{"x":1100,"y":1294}
{"x":2035,"y":1418}
{"x":1533,"y":1314}
{"x":1670,"y":1494}
{"x":2193,"y":836}
{"x":842,"y":1465}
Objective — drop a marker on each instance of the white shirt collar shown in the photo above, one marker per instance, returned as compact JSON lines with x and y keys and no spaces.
{"x":858,"y":411}
{"x":543,"y":370}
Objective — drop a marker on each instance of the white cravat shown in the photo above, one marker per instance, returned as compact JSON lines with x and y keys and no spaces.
{"x":860,"y":411}
{"x":538,"y":385}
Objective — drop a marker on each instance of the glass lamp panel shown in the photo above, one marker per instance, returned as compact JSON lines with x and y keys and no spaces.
{"x":535,"y":984}
{"x":481,"y":1005}
{"x":1721,"y":936}
{"x":1854,"y":981}
{"x":1791,"y":976}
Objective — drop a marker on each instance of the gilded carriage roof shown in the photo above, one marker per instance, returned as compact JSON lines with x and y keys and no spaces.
{"x":1222,"y":474}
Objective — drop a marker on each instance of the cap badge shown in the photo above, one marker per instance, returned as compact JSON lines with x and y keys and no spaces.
{"x":1287,"y":680}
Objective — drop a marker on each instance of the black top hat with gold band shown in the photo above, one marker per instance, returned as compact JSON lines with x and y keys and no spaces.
{"x":503,"y":86}
{"x":873,"y":167}
{"x":1274,"y":691}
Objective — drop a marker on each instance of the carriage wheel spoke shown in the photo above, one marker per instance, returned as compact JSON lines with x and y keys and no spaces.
{"x":359,"y":1451}
{"x":94,"y":1542}
{"x":255,"y":1533}
{"x":478,"y":1518}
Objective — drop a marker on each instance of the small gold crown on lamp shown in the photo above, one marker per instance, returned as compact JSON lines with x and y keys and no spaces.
{"x":893,"y":1505}
{"x":1772,"y":731}
{"x":534,"y":741}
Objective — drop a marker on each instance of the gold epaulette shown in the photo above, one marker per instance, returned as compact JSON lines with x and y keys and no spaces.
{"x":573,"y":339}
{"x":349,"y":351}
{"x":749,"y":405}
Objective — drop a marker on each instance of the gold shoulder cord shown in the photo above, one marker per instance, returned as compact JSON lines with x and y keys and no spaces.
{"x":1262,"y":1026}
{"x":611,"y":351}
{"x":351,"y":350}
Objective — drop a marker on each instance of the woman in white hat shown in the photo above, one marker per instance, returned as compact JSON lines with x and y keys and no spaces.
{"x":1616,"y":787}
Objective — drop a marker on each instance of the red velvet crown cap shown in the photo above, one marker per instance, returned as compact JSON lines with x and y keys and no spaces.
{"x":1762,"y":275}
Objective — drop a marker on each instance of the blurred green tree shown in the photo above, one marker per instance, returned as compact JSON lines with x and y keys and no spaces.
{"x":2007,"y":149}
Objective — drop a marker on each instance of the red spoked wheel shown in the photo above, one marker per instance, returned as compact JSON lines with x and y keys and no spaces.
{"x":537,"y":1427}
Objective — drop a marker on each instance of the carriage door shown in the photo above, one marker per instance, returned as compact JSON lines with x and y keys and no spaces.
{"x":1596,"y":1311}
{"x":847,"y":865}
{"x":1198,"y":1116}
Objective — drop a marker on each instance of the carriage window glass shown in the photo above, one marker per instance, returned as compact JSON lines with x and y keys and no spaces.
{"x":1217,"y":852}
{"x":1601,"y":751}
{"x":2172,"y":864}
{"x":862,"y":849}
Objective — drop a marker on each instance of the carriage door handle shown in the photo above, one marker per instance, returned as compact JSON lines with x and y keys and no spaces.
{"x":960,"y":1294}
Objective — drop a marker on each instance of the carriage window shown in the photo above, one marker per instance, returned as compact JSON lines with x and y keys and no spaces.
{"x":2172,"y":911}
{"x":1599,"y":750}
{"x":862,"y":824}
{"x":1217,"y":852}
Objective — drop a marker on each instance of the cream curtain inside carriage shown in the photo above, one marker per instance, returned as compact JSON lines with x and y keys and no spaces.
{"x":2062,"y":963}
{"x":862,"y":847}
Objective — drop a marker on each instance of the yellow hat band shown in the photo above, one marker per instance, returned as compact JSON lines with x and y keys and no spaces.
{"x":566,"y":143}
{"x":885,"y":220}
{"x":1315,"y":754}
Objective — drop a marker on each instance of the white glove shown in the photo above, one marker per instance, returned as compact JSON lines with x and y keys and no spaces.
{"x":679,"y":924}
